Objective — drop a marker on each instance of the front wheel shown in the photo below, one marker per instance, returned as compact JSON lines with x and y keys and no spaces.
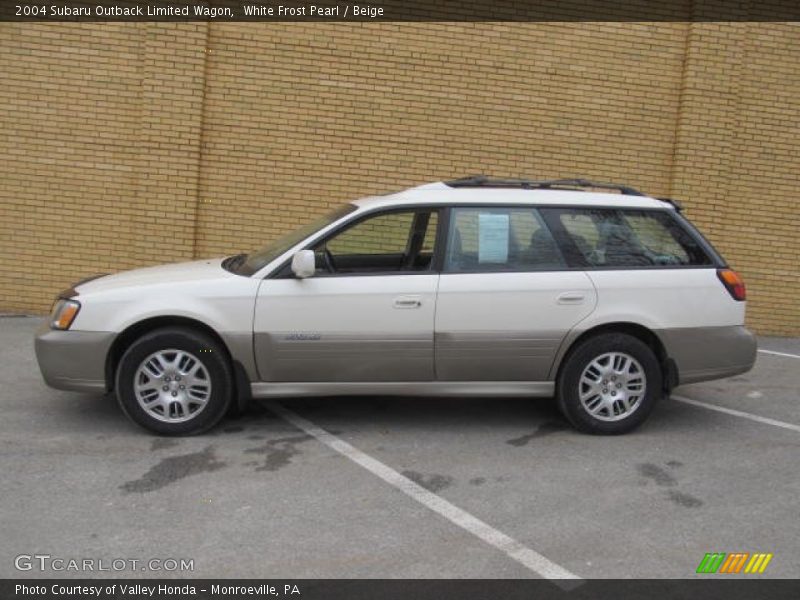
{"x":609,"y":384}
{"x":175,"y":381}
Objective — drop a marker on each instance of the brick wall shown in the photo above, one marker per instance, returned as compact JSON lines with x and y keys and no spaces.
{"x":131,"y":144}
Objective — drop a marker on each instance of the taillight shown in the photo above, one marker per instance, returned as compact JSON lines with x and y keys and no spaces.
{"x":733,"y":282}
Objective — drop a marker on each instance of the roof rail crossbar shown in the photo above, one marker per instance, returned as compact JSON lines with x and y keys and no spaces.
{"x":484,"y":181}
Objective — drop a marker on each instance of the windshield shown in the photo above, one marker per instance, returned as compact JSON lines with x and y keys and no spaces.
{"x":250,"y":263}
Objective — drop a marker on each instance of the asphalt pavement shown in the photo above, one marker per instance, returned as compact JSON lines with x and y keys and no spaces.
{"x":318,"y":488}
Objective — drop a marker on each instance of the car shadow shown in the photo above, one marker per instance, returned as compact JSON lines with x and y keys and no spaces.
{"x":540,"y":415}
{"x":101,"y":414}
{"x":342,"y":412}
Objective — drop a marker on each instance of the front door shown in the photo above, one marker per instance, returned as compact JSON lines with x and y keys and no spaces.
{"x":506,"y":299}
{"x":366,"y":315}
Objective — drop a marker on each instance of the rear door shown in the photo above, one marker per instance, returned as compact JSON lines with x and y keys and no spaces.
{"x":506,"y":299}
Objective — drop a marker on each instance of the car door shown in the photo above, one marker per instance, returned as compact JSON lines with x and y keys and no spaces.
{"x":367,"y":313}
{"x":506,"y":299}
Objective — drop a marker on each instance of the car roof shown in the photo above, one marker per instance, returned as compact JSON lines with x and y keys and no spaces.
{"x":441,"y":193}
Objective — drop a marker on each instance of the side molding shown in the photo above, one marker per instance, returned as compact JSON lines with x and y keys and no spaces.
{"x":413,"y":388}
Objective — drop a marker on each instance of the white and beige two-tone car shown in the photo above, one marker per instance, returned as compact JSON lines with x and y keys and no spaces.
{"x":593,"y":293}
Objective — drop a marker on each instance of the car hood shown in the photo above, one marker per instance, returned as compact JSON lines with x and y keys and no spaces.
{"x":197,"y":270}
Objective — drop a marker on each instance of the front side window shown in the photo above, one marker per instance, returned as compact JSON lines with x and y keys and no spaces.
{"x":500,"y":239}
{"x":394,"y":241}
{"x":605,"y":237}
{"x":250,"y":263}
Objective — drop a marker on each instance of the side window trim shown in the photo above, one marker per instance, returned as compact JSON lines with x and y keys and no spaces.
{"x":573,"y":259}
{"x":440,"y":245}
{"x":417,"y":234}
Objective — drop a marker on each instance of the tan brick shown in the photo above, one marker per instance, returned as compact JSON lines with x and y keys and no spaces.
{"x":129,"y":144}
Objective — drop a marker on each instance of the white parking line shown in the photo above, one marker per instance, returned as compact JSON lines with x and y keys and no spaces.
{"x":739,"y":413}
{"x":529,"y":558}
{"x":779,"y":353}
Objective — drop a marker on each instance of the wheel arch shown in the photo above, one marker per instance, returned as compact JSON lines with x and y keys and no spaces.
{"x":136,"y":330}
{"x":637,"y":330}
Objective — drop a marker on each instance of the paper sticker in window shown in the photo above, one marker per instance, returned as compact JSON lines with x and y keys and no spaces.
{"x":493,"y":230}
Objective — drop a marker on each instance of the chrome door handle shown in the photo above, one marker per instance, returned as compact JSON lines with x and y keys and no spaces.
{"x":571,"y":298}
{"x":408,"y":302}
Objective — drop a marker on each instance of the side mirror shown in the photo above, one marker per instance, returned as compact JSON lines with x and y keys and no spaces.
{"x":304,"y":264}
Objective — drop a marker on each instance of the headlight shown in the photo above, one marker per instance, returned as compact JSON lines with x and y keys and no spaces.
{"x":64,"y":313}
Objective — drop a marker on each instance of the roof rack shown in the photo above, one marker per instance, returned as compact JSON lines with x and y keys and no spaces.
{"x":675,"y":203}
{"x":530,"y":184}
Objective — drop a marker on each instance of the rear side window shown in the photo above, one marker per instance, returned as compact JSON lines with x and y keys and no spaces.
{"x":624,"y":238}
{"x":500,"y":239}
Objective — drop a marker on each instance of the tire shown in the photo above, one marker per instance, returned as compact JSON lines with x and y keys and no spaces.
{"x":609,"y":384}
{"x":175,"y":381}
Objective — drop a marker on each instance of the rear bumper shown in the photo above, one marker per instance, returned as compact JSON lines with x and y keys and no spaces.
{"x":705,"y":353}
{"x":73,"y":360}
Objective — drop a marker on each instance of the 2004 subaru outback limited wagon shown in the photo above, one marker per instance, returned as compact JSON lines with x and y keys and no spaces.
{"x":471,"y":287}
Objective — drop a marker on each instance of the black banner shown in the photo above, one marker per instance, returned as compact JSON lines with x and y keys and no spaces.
{"x":733,"y":588}
{"x":400,"y":10}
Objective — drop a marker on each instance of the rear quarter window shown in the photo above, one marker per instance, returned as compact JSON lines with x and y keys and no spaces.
{"x":609,"y":238}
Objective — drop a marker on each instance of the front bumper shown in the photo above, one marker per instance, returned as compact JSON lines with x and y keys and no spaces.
{"x":705,"y":353}
{"x":73,"y":360}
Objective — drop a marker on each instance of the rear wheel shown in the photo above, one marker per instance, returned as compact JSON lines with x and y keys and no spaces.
{"x":175,"y":381}
{"x":609,"y":384}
